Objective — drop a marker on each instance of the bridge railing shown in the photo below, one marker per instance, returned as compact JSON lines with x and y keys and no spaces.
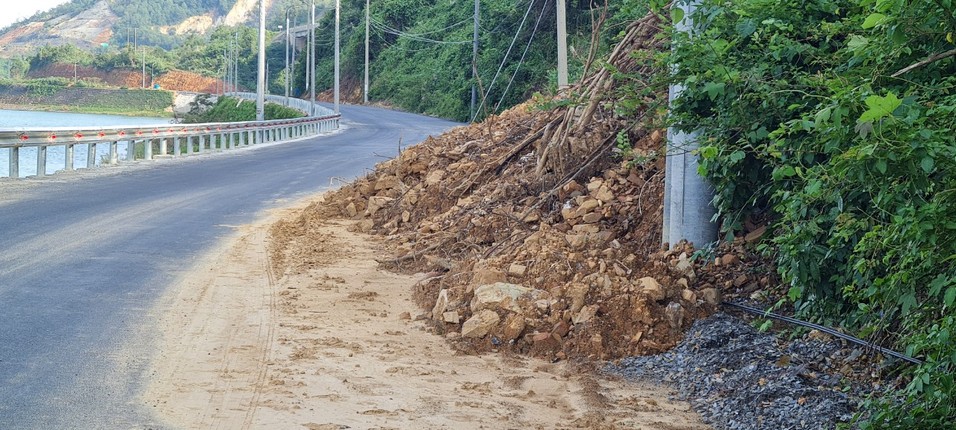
{"x":149,"y":142}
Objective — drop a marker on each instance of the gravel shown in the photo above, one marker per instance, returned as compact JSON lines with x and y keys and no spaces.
{"x":738,"y":378}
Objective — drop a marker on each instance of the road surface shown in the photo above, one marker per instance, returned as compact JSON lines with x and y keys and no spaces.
{"x":84,"y":257}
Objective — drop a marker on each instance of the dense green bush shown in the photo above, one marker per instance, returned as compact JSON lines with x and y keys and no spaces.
{"x":807,"y":114}
{"x":230,"y":109}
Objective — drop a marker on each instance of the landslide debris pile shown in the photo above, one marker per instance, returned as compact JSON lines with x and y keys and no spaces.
{"x":534,"y":236}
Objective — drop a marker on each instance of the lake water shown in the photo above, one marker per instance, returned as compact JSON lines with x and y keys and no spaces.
{"x":13,"y":119}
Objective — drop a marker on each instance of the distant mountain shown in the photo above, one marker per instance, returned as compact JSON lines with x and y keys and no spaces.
{"x":89,"y":24}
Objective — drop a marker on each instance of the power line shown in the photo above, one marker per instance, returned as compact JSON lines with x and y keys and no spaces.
{"x":534,"y":31}
{"x":503,"y":61}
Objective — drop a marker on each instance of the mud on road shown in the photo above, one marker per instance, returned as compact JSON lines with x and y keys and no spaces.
{"x":317,"y":336}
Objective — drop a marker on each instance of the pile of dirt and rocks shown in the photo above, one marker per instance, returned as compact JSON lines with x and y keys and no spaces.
{"x":738,"y":378}
{"x":534,"y":236}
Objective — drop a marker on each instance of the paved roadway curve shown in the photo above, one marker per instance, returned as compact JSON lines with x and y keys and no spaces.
{"x":82,"y":260}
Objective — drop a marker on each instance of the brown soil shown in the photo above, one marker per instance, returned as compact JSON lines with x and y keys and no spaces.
{"x":322,"y":338}
{"x":174,"y":80}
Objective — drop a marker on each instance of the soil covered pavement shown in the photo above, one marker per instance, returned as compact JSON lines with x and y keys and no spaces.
{"x":279,"y":330}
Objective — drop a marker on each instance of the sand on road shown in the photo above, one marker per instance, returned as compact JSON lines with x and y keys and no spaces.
{"x":333,"y":342}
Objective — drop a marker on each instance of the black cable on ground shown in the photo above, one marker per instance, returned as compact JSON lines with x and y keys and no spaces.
{"x":827,"y":330}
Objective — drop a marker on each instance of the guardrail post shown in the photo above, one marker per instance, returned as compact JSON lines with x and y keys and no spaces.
{"x":177,"y":150}
{"x":162,"y":146}
{"x":231,"y":143}
{"x":14,"y":162}
{"x":91,"y":155}
{"x":41,"y":160}
{"x":201,"y":144}
{"x":148,"y":149}
{"x":131,"y":150}
{"x":114,"y":152}
{"x":68,"y":157}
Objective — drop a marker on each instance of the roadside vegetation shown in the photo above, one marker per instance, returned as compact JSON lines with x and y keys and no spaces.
{"x":833,"y":120}
{"x":232,"y":109}
{"x":62,"y":95}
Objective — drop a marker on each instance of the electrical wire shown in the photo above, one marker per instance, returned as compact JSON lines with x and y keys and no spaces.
{"x":503,"y":61}
{"x":827,"y":330}
{"x":534,"y":31}
{"x":416,"y":37}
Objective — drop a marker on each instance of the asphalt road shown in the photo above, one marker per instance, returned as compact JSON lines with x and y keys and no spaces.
{"x":83,"y":258}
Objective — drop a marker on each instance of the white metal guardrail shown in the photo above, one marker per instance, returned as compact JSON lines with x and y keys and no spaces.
{"x":155,"y":141}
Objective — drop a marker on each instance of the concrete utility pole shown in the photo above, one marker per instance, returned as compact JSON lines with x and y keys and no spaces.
{"x":310,"y":71}
{"x":288,"y":35}
{"x":235,"y":63}
{"x":292,"y":71}
{"x":144,"y":67}
{"x":261,"y":83}
{"x":338,"y":10}
{"x":474,"y":64}
{"x":687,"y":196}
{"x":365,"y":98}
{"x":562,"y":44}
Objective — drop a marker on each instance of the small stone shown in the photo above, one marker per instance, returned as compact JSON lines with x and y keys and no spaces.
{"x":729,"y":259}
{"x":561,"y":329}
{"x":592,"y":217}
{"x":588,"y":206}
{"x":586,"y":228}
{"x":351,"y":210}
{"x":434,"y":177}
{"x":688,"y":296}
{"x":441,"y":304}
{"x":741,"y":280}
{"x":499,"y":295}
{"x":480,"y":324}
{"x":487,"y":276}
{"x":711,"y":296}
{"x":604,"y":194}
{"x":406,"y":216}
{"x":375,"y":203}
{"x":405,"y":316}
{"x":452,"y":335}
{"x":451,"y":317}
{"x":652,"y":288}
{"x":514,"y":326}
{"x":675,"y":315}
{"x":585,"y":315}
{"x":365,"y":226}
{"x":595,"y":185}
{"x":517,"y":269}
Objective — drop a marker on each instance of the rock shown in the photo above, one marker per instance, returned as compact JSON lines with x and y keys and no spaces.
{"x":517,"y":269}
{"x":351,"y":210}
{"x":585,"y":315}
{"x":364,"y":226}
{"x":592,"y":217}
{"x":451,"y":317}
{"x":561,"y":329}
{"x":652,"y":288}
{"x":577,"y":294}
{"x":729,"y":259}
{"x":487,"y":276}
{"x":756,"y":234}
{"x":576,"y":241}
{"x":514,"y":326}
{"x":675,"y":315}
{"x":604,"y":194}
{"x":685,"y":267}
{"x":434,"y":178}
{"x":568,"y":213}
{"x":405,"y":316}
{"x":588,"y":205}
{"x":586,"y":228}
{"x":499,"y":294}
{"x":480,"y":324}
{"x":375,"y":203}
{"x":595,"y":185}
{"x":711,"y":296}
{"x":740,"y":280}
{"x":441,"y":304}
{"x":388,"y":182}
{"x":406,"y":216}
{"x":688,"y":296}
